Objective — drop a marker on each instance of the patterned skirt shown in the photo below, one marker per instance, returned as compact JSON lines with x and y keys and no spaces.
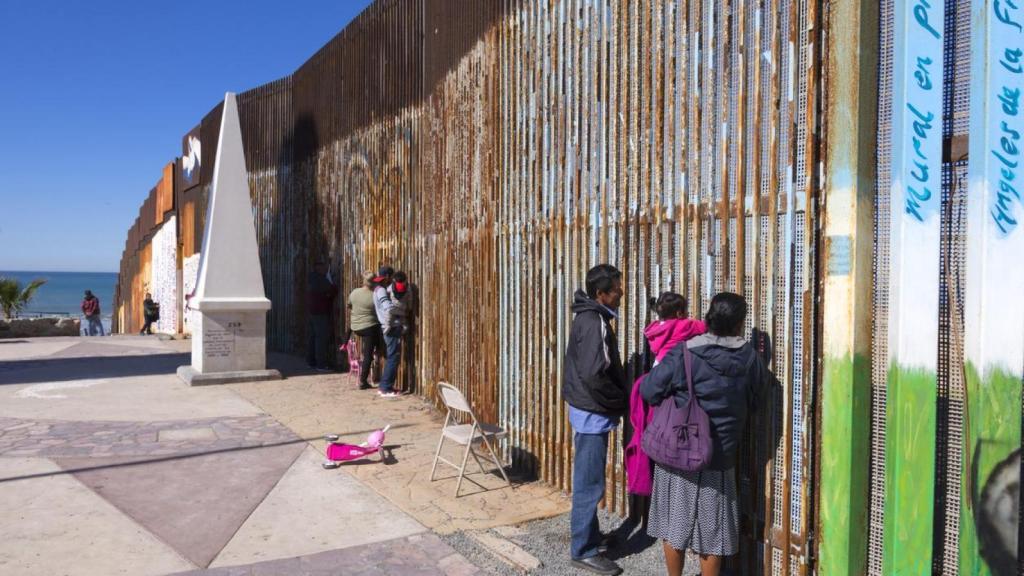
{"x":695,"y":510}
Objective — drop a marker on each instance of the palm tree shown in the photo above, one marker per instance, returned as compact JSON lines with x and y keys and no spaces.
{"x":13,"y":298}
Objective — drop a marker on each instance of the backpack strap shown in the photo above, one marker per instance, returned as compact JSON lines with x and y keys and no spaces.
{"x":688,"y":367}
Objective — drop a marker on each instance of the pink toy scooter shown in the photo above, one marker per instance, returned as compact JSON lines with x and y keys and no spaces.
{"x":338,"y":452}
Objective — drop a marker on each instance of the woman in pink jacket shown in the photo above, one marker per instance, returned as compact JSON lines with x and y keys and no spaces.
{"x":663,"y":335}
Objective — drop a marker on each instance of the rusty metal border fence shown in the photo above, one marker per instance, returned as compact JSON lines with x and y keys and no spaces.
{"x":497,"y":150}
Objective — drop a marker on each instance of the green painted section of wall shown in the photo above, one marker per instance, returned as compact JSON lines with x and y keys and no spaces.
{"x":909,"y":472}
{"x":992,"y":432}
{"x":845,"y":454}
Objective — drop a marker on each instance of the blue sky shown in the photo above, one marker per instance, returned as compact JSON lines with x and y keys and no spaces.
{"x":95,"y":97}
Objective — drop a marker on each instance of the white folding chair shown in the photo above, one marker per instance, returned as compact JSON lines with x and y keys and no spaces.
{"x":465,"y":435}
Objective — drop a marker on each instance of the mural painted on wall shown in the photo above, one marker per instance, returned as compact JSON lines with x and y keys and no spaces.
{"x":191,"y":158}
{"x":997,"y":514}
{"x":994,"y":355}
{"x":164,"y":282}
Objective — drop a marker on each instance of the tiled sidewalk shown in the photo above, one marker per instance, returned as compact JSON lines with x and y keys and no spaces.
{"x":56,"y":438}
{"x":104,"y":450}
{"x":419,"y":555}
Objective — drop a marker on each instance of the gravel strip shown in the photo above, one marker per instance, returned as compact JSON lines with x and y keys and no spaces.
{"x":548,"y":541}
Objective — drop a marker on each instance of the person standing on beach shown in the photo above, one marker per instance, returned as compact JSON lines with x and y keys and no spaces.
{"x":91,"y":310}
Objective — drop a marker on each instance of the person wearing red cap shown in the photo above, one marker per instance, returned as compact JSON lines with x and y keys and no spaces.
{"x":400,"y":310}
{"x":393,"y":344}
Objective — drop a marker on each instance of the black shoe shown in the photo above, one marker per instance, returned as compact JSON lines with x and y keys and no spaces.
{"x":364,"y":386}
{"x":607,"y":543}
{"x":598,"y":565}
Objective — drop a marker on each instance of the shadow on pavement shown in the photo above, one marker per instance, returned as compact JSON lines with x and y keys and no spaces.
{"x":145,"y":460}
{"x":65,"y":369}
{"x":37,"y":370}
{"x":631,"y":537}
{"x":193,"y":454}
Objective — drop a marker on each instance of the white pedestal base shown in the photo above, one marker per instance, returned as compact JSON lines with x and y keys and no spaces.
{"x":228,"y":346}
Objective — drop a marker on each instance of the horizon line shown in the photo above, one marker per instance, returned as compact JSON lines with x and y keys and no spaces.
{"x":59,"y":271}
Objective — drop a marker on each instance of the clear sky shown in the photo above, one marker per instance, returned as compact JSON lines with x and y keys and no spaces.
{"x":96,"y":96}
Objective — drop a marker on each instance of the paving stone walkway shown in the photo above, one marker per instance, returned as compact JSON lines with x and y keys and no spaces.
{"x":104,"y":450}
{"x":419,"y":555}
{"x":57,"y":439}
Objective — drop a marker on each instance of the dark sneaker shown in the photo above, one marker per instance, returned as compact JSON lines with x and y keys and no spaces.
{"x":364,"y":386}
{"x":598,"y":565}
{"x":607,"y":543}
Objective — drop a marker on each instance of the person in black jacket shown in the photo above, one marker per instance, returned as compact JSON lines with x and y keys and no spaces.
{"x":699,"y":510}
{"x":150,"y":313}
{"x":594,"y":386}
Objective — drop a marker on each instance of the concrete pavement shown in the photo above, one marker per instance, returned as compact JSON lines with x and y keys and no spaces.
{"x":110,"y":465}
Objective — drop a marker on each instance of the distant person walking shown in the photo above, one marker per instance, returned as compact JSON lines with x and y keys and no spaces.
{"x":594,"y":386}
{"x":320,"y":293}
{"x":364,"y":322}
{"x":150,"y":312}
{"x":91,"y":311}
{"x":383,"y":302}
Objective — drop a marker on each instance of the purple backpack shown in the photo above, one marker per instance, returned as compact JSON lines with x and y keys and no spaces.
{"x":680,"y":438}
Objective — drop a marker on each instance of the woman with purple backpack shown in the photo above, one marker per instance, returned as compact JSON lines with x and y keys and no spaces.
{"x":697,"y":507}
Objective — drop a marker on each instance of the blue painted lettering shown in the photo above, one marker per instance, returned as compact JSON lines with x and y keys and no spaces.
{"x":917,"y":148}
{"x":914,"y":200}
{"x":1006,"y":161}
{"x":1002,"y":213}
{"x":1003,"y":220}
{"x":921,"y":15}
{"x":1006,"y":153}
{"x":924,"y":79}
{"x":1007,"y":188}
{"x":923,"y":176}
{"x":1003,"y":13}
{"x":1008,"y":146}
{"x":1013,"y":133}
{"x":923,"y":122}
{"x":1011,"y":60}
{"x":1010,"y":100}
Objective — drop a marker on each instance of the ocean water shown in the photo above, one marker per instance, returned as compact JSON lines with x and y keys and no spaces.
{"x":62,"y":294}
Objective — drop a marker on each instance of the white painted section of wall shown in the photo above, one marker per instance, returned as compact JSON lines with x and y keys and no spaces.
{"x":164,"y":286}
{"x":917,"y":183}
{"x":994,"y":312}
{"x":189,"y":275}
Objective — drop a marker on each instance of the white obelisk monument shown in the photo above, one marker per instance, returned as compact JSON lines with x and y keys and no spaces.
{"x":229,"y":340}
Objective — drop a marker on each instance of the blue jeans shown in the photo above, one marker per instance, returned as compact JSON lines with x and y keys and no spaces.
{"x":394,"y":356}
{"x":587,"y":490}
{"x":95,"y":325}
